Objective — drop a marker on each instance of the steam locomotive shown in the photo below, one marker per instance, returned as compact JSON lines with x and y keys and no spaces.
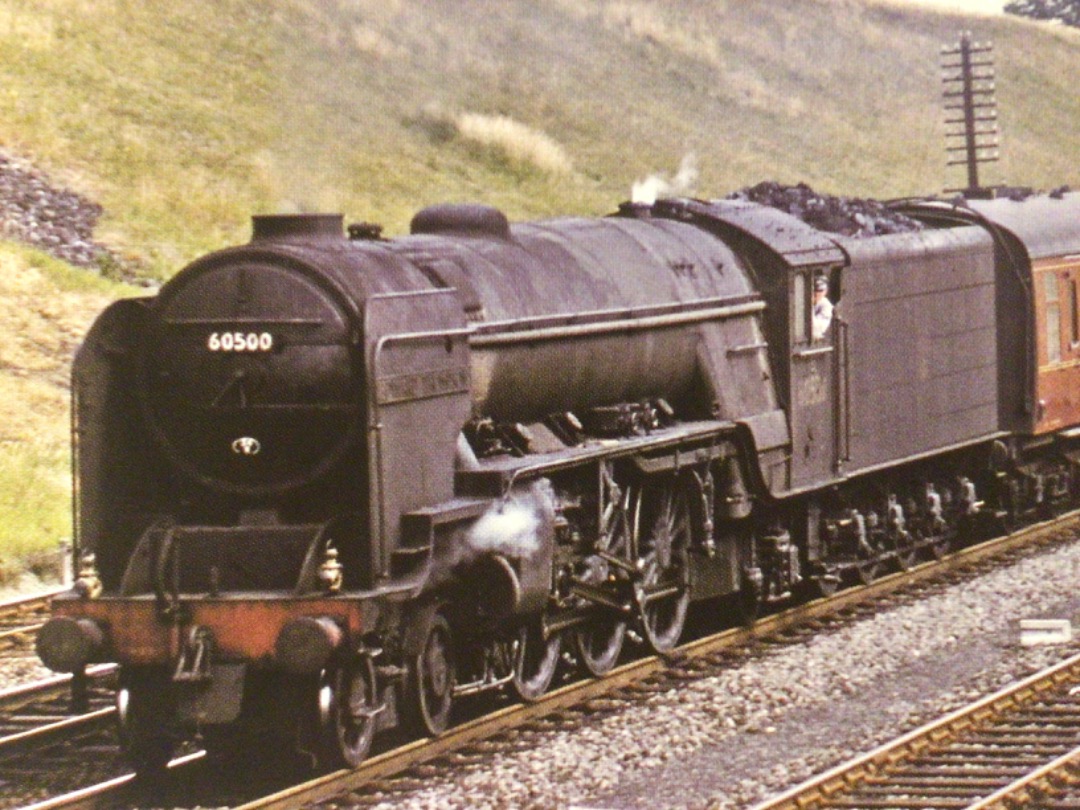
{"x":328,"y":484}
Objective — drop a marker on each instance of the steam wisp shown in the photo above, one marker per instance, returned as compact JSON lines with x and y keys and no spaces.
{"x":657,"y":185}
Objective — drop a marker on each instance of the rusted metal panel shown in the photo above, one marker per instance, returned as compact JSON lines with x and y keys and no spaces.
{"x":243,"y":629}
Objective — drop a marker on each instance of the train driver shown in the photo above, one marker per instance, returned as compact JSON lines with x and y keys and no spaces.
{"x":823,"y":308}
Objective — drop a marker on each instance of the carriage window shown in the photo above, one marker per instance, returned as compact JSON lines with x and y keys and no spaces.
{"x":799,"y":308}
{"x":1053,"y":319}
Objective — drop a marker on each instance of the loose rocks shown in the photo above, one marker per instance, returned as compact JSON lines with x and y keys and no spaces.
{"x":56,"y":220}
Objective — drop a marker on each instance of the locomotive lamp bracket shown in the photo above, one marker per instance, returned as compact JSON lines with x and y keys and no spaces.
{"x":330,"y":572}
{"x":88,"y":582}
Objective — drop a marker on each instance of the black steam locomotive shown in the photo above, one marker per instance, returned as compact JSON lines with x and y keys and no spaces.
{"x":326,"y":485}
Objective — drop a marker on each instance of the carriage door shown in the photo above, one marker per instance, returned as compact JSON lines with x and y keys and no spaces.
{"x":818,"y":375}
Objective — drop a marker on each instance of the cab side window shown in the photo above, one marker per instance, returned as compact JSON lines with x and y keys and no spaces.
{"x":821,"y":314}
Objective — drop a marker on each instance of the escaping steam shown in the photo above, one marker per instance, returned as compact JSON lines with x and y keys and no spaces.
{"x":510,"y":529}
{"x":517,"y":529}
{"x":657,"y":185}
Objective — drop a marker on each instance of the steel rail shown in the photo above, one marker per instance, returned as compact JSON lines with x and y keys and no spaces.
{"x":458,"y":737}
{"x":879,"y":764}
{"x":13,"y":636}
{"x":20,"y":604}
{"x":16,"y":697}
{"x":65,"y":729}
{"x":835,"y":782}
{"x":47,"y":719}
{"x":15,"y":610}
{"x":1032,"y":788}
{"x":104,"y":795}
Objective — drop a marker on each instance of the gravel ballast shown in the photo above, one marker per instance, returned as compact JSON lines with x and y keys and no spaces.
{"x":730,"y":740}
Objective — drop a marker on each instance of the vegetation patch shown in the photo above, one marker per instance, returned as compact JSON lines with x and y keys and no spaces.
{"x":46,"y":306}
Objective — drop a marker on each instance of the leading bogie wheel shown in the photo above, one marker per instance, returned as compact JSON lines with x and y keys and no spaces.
{"x":145,"y":717}
{"x":347,"y":707}
{"x":431,"y":678}
{"x":535,"y":660}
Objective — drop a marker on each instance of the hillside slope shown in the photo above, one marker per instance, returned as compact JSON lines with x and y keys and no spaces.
{"x":182,"y":119}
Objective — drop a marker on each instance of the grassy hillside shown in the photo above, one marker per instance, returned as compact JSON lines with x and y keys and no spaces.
{"x":45,"y":308}
{"x":182,"y":119}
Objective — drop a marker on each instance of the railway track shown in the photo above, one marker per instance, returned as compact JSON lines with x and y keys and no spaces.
{"x":55,"y":710}
{"x":577,"y":702}
{"x":21,"y":618}
{"x":1011,"y":749}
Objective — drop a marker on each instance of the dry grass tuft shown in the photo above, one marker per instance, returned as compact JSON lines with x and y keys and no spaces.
{"x":517,"y":141}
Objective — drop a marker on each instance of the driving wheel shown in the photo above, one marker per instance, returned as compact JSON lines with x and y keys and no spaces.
{"x":535,"y":661}
{"x":663,"y":592}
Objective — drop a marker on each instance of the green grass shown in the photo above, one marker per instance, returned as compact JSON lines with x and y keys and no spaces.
{"x":35,"y":500}
{"x":183,"y":119}
{"x":45,"y":308}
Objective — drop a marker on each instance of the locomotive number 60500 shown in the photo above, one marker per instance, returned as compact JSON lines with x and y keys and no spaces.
{"x":240,"y":342}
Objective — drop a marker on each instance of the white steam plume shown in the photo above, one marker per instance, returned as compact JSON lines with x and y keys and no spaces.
{"x":509,"y":529}
{"x":658,"y":185}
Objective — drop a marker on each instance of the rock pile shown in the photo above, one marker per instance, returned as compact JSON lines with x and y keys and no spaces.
{"x":1062,"y":11}
{"x":849,"y":216}
{"x":56,"y":220}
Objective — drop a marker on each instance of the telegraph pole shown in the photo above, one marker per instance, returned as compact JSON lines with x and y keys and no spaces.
{"x":971,"y":135}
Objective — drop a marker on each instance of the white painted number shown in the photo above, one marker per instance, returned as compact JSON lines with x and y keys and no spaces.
{"x":240,"y":342}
